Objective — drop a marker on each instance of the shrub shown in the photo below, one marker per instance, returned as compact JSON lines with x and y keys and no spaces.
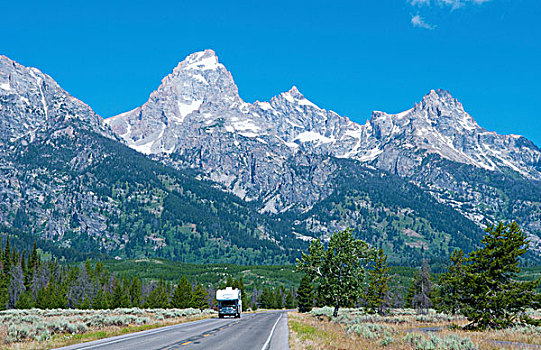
{"x":448,"y":342}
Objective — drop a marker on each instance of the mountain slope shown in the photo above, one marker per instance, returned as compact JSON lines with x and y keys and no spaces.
{"x":65,"y":178}
{"x":197,"y":120}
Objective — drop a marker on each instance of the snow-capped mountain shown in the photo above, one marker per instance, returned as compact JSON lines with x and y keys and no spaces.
{"x":279,"y":153}
{"x":430,"y":173}
{"x":69,"y":182}
{"x":440,"y":125}
{"x":197,"y":115}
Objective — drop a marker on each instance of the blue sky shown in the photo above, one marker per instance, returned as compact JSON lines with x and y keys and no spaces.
{"x":349,"y":56}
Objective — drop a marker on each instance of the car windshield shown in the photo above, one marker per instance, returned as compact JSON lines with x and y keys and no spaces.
{"x":226,"y":303}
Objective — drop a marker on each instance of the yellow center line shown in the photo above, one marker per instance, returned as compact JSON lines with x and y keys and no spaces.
{"x":188,"y":342}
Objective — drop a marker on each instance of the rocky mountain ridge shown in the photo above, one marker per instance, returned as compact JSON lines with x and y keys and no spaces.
{"x":198,"y":105}
{"x":418,"y":183}
{"x":67,"y":180}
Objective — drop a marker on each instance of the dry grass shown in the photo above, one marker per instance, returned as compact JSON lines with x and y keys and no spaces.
{"x":400,"y":331}
{"x":46,"y":329}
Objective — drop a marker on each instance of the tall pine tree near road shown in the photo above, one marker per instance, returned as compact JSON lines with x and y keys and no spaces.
{"x":449,"y":285}
{"x":200,"y":298}
{"x":490,"y":295}
{"x":182,"y":296}
{"x":305,"y":295}
{"x":378,"y":284}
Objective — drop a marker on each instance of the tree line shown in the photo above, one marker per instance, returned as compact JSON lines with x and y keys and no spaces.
{"x":482,"y":286}
{"x":28,"y":281}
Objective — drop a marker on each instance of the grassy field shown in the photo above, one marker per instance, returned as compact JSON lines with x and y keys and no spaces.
{"x":400,"y":330}
{"x":47,"y":329}
{"x":254,"y":276}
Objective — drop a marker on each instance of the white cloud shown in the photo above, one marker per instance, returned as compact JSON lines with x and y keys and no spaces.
{"x":453,"y":4}
{"x":419,"y":22}
{"x":419,"y":2}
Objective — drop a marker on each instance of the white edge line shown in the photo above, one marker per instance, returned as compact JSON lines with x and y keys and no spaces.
{"x":272,"y":331}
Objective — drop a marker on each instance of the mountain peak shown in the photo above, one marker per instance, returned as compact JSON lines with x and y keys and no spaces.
{"x":295,"y":93}
{"x":202,"y":60}
{"x":439,"y":96}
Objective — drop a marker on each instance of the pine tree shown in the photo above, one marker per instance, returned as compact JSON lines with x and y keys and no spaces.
{"x":182,"y":296}
{"x":266,"y":299}
{"x":305,"y":295}
{"x":135,"y":292}
{"x":278,"y":298}
{"x":489,"y":294}
{"x":34,"y":258}
{"x":4,"y":295}
{"x":378,"y":284}
{"x":448,"y":292}
{"x":25,"y":301}
{"x":6,"y":257}
{"x":199,"y":297}
{"x":100,"y":301}
{"x":120,"y":296}
{"x":229,"y":282}
{"x":289,"y":302}
{"x":158,"y":297}
{"x":243,"y":294}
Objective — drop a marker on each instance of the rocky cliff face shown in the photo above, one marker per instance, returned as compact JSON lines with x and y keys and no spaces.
{"x":67,"y":179}
{"x":197,"y":119}
{"x":440,"y":125}
{"x":35,"y":110}
{"x":418,"y":183}
{"x":32,"y":103}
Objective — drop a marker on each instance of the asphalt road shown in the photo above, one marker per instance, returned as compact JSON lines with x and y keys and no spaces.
{"x":259,"y":331}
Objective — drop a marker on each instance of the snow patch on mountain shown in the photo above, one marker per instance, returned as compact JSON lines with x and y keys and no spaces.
{"x":200,"y":94}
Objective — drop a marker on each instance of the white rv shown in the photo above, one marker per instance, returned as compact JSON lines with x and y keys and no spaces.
{"x":229,"y":302}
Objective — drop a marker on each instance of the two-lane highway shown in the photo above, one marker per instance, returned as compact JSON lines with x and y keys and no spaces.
{"x":259,"y":331}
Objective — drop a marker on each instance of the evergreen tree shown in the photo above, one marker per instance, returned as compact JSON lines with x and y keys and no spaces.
{"x":100,"y":301}
{"x":34,"y":258}
{"x":158,"y":297}
{"x":278,"y":298}
{"x":199,"y":298}
{"x":289,"y":301}
{"x":6,"y":257}
{"x":447,"y":295}
{"x":243,"y":294}
{"x":229,"y":281}
{"x":135,"y":292}
{"x":182,"y":296}
{"x":339,"y":269}
{"x":305,"y":295}
{"x":489,"y":294}
{"x":378,"y":284}
{"x":266,"y":299}
{"x":4,"y":295}
{"x":120,"y":296}
{"x":26,"y":301}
